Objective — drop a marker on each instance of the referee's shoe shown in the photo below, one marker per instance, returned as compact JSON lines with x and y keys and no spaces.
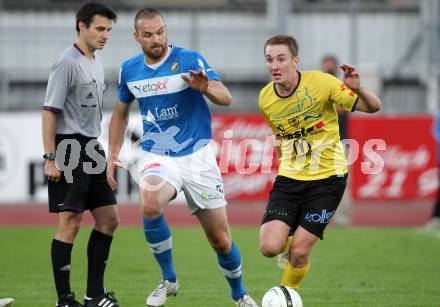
{"x":68,"y":300}
{"x":108,"y":299}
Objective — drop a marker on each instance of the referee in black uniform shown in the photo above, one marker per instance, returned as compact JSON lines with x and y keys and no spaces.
{"x":72,"y":115}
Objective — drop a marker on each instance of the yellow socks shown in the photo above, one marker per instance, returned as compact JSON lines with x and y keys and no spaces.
{"x":288,"y":243}
{"x":283,"y":258}
{"x":292,"y":277}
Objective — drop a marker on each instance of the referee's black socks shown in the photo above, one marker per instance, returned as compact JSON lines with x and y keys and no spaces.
{"x":61,"y":255}
{"x":98,"y":250}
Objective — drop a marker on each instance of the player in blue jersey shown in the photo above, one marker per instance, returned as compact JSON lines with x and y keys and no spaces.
{"x":169,"y":83}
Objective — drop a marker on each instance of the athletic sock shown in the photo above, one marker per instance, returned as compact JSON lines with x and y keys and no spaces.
{"x":292,"y":277}
{"x":288,"y":244}
{"x":98,"y":250}
{"x":159,"y":240}
{"x":61,"y":255}
{"x":230,"y":264}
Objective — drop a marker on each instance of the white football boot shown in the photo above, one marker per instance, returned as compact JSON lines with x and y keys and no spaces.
{"x":159,"y":296}
{"x":6,"y":302}
{"x":246,"y":301}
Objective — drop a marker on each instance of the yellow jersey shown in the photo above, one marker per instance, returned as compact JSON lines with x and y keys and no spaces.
{"x":307,"y":124}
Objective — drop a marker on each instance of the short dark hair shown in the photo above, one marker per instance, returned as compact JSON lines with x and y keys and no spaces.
{"x":91,"y":8}
{"x":285,"y":40}
{"x":146,"y":13}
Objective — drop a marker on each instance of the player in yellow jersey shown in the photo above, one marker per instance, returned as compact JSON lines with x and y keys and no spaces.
{"x":299,"y":106}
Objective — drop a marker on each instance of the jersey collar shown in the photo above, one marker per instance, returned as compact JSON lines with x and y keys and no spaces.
{"x":299,"y":81}
{"x":79,"y":50}
{"x":158,"y":64}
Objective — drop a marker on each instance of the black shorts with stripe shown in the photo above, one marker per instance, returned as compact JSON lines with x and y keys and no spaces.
{"x":310,"y":204}
{"x":84,"y":189}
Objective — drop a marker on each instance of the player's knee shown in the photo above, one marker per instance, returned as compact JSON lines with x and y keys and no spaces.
{"x":108,"y":226}
{"x":300,"y":256}
{"x":151,"y":207}
{"x":221,"y":244}
{"x":113,"y":223}
{"x":68,"y":231}
{"x":151,"y":212}
{"x":270,"y":249}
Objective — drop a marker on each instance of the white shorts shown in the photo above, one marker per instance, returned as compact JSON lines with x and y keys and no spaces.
{"x":197,"y":174}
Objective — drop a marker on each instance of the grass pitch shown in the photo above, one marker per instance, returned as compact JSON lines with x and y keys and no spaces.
{"x":351,"y":267}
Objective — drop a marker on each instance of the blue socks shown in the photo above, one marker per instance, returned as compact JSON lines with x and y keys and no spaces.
{"x":230,"y":264}
{"x":158,"y":237}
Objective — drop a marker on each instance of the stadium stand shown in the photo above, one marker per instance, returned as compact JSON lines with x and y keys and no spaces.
{"x":223,"y":5}
{"x":224,"y":30}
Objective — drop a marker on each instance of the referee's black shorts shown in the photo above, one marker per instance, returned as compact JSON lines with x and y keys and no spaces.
{"x":310,"y":204}
{"x":85,"y":191}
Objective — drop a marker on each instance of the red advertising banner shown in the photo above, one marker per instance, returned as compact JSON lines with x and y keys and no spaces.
{"x":391,"y":157}
{"x":246,"y":155}
{"x":396,"y":158}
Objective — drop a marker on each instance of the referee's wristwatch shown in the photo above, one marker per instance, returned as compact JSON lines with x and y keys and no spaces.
{"x":50,"y":156}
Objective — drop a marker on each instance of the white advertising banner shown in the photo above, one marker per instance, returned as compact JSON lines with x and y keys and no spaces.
{"x":21,"y":160}
{"x":21,"y":152}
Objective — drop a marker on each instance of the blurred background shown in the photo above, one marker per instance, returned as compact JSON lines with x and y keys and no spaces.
{"x":394,"y":43}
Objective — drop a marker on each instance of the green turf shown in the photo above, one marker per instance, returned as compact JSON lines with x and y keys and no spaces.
{"x":351,"y":267}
